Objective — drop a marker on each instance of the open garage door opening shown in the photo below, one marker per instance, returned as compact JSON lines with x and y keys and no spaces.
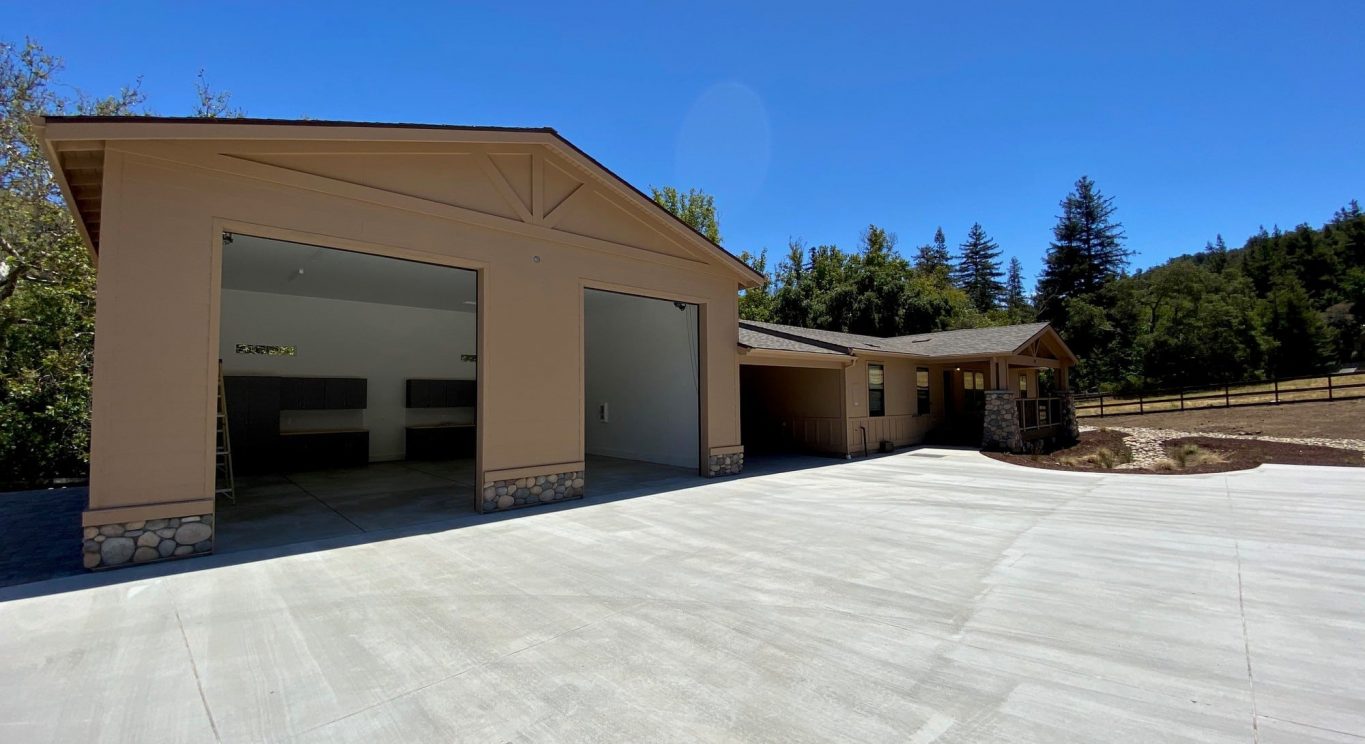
{"x":791,"y":410}
{"x":350,"y":385}
{"x":641,"y":386}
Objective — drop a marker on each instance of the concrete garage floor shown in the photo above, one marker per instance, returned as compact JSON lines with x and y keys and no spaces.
{"x":928,"y":596}
{"x":280,"y":510}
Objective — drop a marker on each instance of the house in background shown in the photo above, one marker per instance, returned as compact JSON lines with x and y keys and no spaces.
{"x":841,"y":394}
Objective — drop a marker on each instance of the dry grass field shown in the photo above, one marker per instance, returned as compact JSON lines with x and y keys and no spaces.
{"x":1260,"y":393}
{"x":1342,"y":419}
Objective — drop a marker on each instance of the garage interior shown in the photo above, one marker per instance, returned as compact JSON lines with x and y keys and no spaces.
{"x":641,"y":389}
{"x":350,"y":387}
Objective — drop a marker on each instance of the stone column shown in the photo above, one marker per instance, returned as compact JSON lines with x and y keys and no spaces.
{"x":1000,"y":424}
{"x":1071,"y":429}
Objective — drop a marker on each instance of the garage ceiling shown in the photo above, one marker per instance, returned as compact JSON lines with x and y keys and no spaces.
{"x":275,"y":266}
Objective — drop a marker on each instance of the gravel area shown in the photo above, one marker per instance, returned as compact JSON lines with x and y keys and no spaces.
{"x":1148,"y":444}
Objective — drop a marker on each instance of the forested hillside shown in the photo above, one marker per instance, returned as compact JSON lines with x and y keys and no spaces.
{"x":1285,"y":303}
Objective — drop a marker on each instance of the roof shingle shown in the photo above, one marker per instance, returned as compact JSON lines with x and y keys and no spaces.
{"x":964,"y":342}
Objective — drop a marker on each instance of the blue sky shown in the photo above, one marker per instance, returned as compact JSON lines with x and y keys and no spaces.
{"x":1199,"y":117}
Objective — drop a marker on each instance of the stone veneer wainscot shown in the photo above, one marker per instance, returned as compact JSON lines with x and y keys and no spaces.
{"x":145,"y":541}
{"x":532,"y":490}
{"x":728,"y":464}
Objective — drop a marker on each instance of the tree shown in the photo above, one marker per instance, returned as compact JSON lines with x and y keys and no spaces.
{"x":696,"y":208}
{"x":877,"y":278}
{"x":1016,"y":304}
{"x":1086,"y":253}
{"x":1215,"y":255}
{"x":1300,"y":340}
{"x":934,"y":257}
{"x":213,"y":104}
{"x":47,"y":284}
{"x":757,"y":303}
{"x":978,"y":270}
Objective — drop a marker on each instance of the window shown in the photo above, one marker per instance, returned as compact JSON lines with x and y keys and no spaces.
{"x":876,"y":390}
{"x":974,"y":390}
{"x":1023,"y":384}
{"x":922,"y":391}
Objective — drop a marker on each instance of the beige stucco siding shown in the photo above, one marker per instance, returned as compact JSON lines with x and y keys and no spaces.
{"x":164,"y":209}
{"x":901,"y":425}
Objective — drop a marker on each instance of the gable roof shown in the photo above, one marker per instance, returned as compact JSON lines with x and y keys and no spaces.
{"x":995,"y":341}
{"x":100,"y":129}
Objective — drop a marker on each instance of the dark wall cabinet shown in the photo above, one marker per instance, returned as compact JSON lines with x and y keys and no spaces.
{"x":441,"y":393}
{"x":322,"y":393}
{"x":254,"y":404}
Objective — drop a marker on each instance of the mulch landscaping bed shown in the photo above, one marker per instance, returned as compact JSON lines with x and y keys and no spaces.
{"x":1238,"y":454}
{"x":1091,"y":443}
{"x":1248,"y":453}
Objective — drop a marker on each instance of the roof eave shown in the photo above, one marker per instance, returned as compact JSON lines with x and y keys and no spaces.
{"x":59,"y":173}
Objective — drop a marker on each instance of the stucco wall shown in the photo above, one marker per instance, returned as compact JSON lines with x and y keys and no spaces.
{"x":901,"y":425}
{"x":641,"y":361}
{"x":165,"y":206}
{"x":385,"y":344}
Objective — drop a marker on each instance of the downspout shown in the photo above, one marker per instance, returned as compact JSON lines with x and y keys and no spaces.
{"x":843,"y":407}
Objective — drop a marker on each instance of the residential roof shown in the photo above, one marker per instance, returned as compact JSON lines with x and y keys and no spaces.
{"x":189,"y":126}
{"x":997,"y":340}
{"x":754,"y":338}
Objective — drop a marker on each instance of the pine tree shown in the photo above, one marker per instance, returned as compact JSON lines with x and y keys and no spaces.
{"x":978,"y":270}
{"x":1015,"y":302}
{"x":1216,"y":254}
{"x":934,"y":258}
{"x":1086,"y":253}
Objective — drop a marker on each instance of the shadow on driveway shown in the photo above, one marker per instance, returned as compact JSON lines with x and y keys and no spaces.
{"x":42,"y":551}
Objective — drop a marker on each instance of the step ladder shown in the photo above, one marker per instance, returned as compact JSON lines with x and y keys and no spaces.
{"x":224,"y":485}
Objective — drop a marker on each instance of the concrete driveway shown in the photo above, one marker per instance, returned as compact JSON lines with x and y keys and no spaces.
{"x":932,"y":596}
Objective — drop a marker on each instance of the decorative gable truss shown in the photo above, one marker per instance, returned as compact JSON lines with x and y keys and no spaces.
{"x":546,"y":189}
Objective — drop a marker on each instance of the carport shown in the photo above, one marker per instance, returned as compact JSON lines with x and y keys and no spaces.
{"x":792,"y":398}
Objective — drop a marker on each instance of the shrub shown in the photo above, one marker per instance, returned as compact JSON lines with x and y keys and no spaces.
{"x":1184,"y":456}
{"x":1103,"y":458}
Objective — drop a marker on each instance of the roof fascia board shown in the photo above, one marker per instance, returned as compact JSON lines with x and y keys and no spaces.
{"x":782,"y":358}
